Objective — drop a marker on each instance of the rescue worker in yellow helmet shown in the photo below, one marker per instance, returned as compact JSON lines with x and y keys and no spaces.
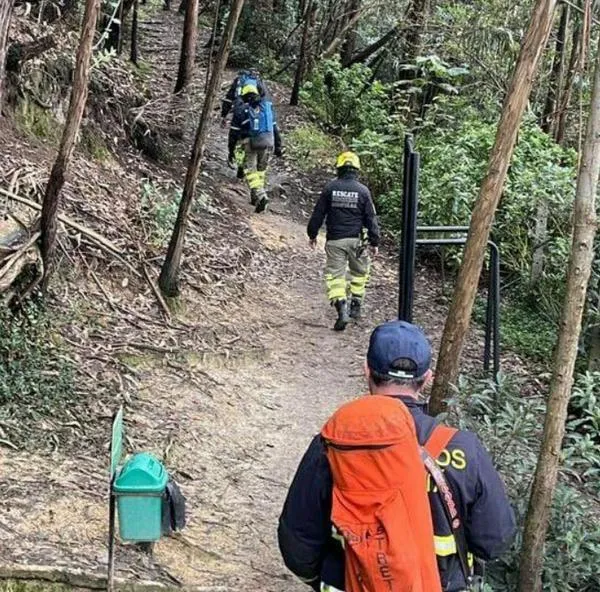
{"x":254,"y":126}
{"x":348,"y":211}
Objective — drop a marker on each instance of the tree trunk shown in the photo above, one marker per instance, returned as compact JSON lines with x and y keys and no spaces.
{"x":6,"y":8}
{"x":556,"y":75}
{"x":134,"y":34}
{"x":213,"y":39}
{"x":188,"y":46}
{"x":579,"y":270}
{"x":349,"y":46}
{"x":565,"y":97}
{"x":74,"y":115}
{"x":457,"y":322}
{"x":364,"y":54}
{"x":170,"y":269}
{"x":114,"y":38}
{"x":594,"y":344}
{"x":415,"y":18}
{"x":337,"y":40}
{"x":302,"y":58}
{"x":548,"y":124}
{"x":539,"y":238}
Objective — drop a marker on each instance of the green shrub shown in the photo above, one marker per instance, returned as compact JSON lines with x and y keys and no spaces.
{"x":159,"y":212}
{"x":509,"y":425}
{"x":309,"y":147}
{"x":34,"y":372}
{"x":524,"y":329}
{"x":345,"y":100}
{"x":453,"y":164}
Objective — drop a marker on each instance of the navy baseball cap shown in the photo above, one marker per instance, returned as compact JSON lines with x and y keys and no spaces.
{"x":395,"y":343}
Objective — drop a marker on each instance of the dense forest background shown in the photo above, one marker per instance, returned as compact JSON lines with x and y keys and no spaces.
{"x":362,"y":74}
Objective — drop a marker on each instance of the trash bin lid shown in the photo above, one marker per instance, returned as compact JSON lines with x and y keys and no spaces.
{"x":142,"y":473}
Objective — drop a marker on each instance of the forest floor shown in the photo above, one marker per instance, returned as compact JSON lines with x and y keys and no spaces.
{"x":228,"y":390}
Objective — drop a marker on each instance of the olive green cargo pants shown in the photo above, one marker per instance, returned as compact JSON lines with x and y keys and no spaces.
{"x":347,"y":263}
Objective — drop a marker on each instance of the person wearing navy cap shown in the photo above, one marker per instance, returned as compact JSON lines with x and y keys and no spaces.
{"x":398,"y":365}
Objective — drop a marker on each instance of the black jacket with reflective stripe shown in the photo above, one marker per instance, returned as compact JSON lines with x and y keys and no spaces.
{"x":347,"y":207}
{"x":310,"y":552}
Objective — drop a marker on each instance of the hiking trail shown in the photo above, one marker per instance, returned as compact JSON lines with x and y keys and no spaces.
{"x":230,"y":420}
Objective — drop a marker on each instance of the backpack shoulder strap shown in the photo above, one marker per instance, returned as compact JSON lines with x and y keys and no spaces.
{"x":439,"y":439}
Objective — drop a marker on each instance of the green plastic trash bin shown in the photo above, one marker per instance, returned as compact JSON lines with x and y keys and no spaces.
{"x":139,"y":489}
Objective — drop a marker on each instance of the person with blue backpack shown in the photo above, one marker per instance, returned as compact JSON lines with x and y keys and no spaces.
{"x":254,"y":126}
{"x":244,"y":78}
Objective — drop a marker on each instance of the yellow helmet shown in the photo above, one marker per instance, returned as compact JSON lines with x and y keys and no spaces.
{"x":348,"y":159}
{"x":249,"y":89}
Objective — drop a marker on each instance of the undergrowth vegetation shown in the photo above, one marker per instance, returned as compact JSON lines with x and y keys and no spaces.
{"x":36,"y":375}
{"x":510,"y":425}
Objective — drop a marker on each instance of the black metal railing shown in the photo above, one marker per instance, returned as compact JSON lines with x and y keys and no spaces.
{"x":409,"y":243}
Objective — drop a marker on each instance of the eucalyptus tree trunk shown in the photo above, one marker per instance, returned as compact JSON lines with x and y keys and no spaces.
{"x":349,"y":46}
{"x":77,"y":102}
{"x":303,"y":57}
{"x":578,"y":275}
{"x":556,"y":81}
{"x":188,"y":46}
{"x":577,"y":43}
{"x":549,"y":125}
{"x":459,"y":316}
{"x":415,"y":18}
{"x":134,"y":55}
{"x":6,"y":8}
{"x":170,"y":270}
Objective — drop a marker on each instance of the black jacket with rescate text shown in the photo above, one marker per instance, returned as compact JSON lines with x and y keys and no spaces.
{"x":305,"y":528}
{"x":346,"y":207}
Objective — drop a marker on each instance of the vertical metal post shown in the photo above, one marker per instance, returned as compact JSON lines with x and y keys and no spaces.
{"x":411,"y":236}
{"x":495,"y":265}
{"x":111,"y":540}
{"x":404,"y":234}
{"x":489,"y":316}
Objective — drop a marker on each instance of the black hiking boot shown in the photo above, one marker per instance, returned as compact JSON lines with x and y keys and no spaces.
{"x":355,"y":305}
{"x":261,"y":206}
{"x":343,"y":318}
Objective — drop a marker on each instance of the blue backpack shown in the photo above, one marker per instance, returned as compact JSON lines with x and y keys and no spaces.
{"x":261,"y":124}
{"x":261,"y":119}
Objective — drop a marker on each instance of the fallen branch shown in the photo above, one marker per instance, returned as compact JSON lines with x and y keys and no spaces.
{"x":97,"y":238}
{"x":81,"y":579}
{"x":157,"y":293}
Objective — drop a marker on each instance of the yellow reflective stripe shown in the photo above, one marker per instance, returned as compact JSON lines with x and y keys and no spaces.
{"x":444,"y":545}
{"x":327,"y":588}
{"x":336,"y":287}
{"x":338,"y":537}
{"x":255,"y":180}
{"x":470,"y":559}
{"x":358,"y":284}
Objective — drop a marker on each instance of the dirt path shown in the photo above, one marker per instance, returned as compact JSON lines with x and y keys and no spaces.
{"x":231,"y":429}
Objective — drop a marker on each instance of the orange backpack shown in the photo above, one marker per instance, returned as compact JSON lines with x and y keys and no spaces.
{"x":380,"y":506}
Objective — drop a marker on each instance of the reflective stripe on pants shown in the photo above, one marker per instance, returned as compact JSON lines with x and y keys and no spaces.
{"x":327,"y":588}
{"x":343,"y":256}
{"x":255,"y":168}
